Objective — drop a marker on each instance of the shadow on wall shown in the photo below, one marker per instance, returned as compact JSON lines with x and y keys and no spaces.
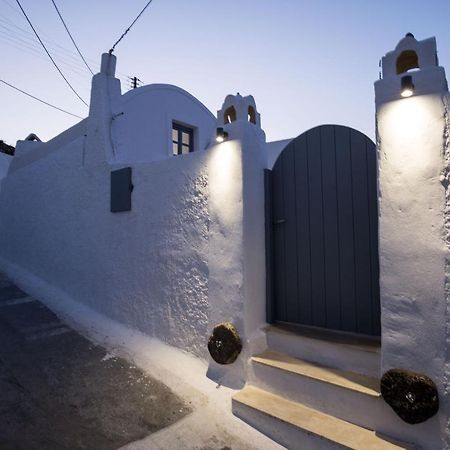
{"x":234,"y":377}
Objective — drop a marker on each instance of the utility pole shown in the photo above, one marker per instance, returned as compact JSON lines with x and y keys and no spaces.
{"x":135,"y":82}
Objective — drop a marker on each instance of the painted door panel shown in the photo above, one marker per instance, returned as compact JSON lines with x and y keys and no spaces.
{"x":322,"y":232}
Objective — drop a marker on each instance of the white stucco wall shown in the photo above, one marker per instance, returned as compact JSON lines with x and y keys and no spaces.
{"x":189,"y":254}
{"x":172,"y":267}
{"x":236,"y":243}
{"x":411,"y":141}
{"x":146,"y":268}
{"x":5,"y":161}
{"x":412,"y":244}
{"x":412,"y":135}
{"x":445,"y":179}
{"x":144,"y":131}
{"x":273,"y":150}
{"x":27,"y":152}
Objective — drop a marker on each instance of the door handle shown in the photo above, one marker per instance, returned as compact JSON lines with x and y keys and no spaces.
{"x":279,"y":221}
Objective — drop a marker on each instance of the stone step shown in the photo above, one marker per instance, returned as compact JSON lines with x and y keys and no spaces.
{"x":342,"y":378}
{"x":297,"y":426}
{"x":349,"y":353}
{"x":347,"y":395}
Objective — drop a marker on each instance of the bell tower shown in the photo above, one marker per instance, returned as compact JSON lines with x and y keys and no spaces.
{"x":238,"y":108}
{"x":239,"y":113}
{"x":413,"y":126}
{"x":415,"y":61}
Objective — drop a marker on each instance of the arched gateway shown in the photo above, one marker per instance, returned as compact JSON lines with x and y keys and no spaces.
{"x":322,"y":232}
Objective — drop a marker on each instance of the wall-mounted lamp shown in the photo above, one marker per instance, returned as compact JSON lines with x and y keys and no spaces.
{"x":221,"y":135}
{"x":407,"y":86}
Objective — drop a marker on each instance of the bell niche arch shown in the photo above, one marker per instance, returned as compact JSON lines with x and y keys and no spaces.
{"x":238,"y":108}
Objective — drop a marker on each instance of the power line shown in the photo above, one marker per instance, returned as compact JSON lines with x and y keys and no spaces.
{"x":51,"y":44}
{"x":78,"y":70}
{"x":12,"y":7}
{"x":31,"y":46}
{"x":73,"y":41}
{"x":25,"y":40}
{"x":22,"y":44}
{"x":39,"y":100}
{"x":129,"y":28}
{"x":18,"y":32}
{"x":50,"y":56}
{"x":42,"y":33}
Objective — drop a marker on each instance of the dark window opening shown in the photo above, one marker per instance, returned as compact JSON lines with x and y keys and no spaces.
{"x":182,"y":139}
{"x":251,"y":114}
{"x":229,"y":115}
{"x":406,"y":61}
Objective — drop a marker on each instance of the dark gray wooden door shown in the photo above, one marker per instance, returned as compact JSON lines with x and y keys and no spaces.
{"x":322,"y":232}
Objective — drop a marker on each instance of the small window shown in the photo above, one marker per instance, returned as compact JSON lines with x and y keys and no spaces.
{"x":182,"y":139}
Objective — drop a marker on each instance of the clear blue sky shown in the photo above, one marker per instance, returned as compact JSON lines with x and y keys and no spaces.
{"x":305,"y":62}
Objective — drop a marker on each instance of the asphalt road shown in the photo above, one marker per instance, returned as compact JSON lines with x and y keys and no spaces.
{"x":59,"y":391}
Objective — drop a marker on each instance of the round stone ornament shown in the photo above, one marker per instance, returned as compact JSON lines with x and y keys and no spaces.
{"x":224,"y":344}
{"x":413,"y":396}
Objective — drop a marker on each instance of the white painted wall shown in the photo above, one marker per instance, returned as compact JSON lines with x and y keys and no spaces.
{"x":237,"y":241}
{"x":172,"y":267}
{"x":190,"y":253}
{"x":144,"y":131}
{"x":414,"y":250}
{"x":146,"y":268}
{"x":273,"y":150}
{"x":5,"y":161}
{"x":27,"y":152}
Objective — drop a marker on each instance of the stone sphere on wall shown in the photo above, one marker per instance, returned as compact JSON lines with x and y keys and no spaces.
{"x":224,"y":344}
{"x":413,"y":396}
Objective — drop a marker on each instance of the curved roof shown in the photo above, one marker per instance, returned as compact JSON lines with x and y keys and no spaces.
{"x":128,"y":96}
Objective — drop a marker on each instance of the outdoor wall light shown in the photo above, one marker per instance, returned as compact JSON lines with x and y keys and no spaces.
{"x":407,"y":86}
{"x":221,"y":135}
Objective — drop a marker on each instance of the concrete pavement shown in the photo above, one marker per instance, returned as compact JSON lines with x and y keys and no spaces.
{"x":59,"y":391}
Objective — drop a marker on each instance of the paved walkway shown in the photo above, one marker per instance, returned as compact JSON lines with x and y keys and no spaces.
{"x":59,"y":391}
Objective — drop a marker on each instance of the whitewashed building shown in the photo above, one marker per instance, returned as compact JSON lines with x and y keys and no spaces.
{"x":140,"y":213}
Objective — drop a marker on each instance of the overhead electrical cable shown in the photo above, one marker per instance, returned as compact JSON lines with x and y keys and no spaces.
{"x":67,"y":59}
{"x":39,"y":100}
{"x":30,"y":38}
{"x":12,"y":7}
{"x":29,"y":47}
{"x":129,"y":28}
{"x":78,"y":68}
{"x":50,"y":56}
{"x":72,"y":39}
{"x":20,"y":44}
{"x":52,"y":44}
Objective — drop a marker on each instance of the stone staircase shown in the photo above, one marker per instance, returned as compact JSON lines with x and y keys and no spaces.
{"x":318,"y":390}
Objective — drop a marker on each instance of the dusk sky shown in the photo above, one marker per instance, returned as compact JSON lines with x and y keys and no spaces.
{"x":306,"y":63}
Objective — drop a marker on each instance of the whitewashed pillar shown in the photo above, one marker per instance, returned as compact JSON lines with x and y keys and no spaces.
{"x":237,"y":232}
{"x":414,"y":158}
{"x":104,"y":104}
